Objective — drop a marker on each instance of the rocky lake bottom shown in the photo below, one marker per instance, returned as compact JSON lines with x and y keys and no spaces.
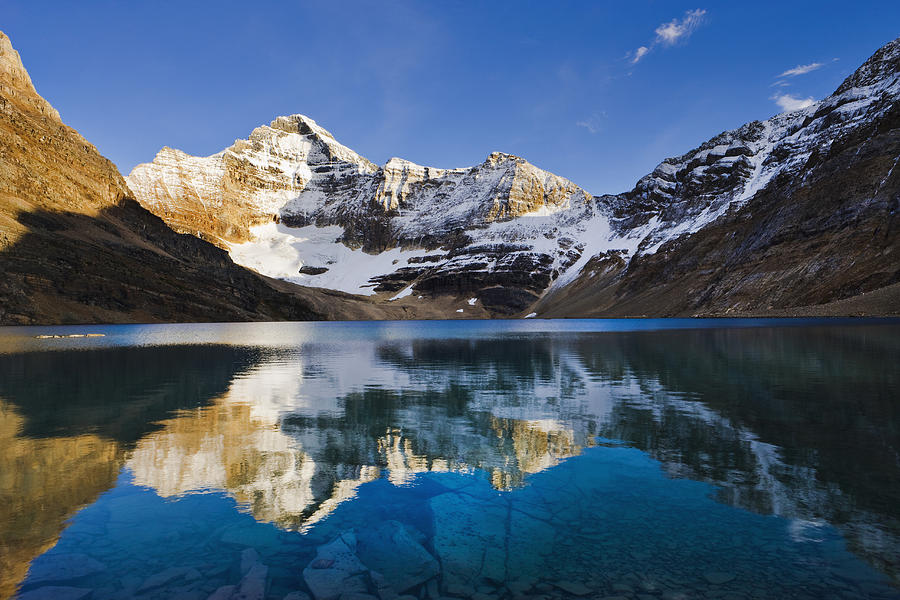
{"x":636,"y":460}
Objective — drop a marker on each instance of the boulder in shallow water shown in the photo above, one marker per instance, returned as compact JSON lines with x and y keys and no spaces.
{"x":336,"y":570}
{"x":470,"y":538}
{"x":253,"y":585}
{"x":249,"y":558}
{"x":382,"y":589}
{"x":392,"y":551}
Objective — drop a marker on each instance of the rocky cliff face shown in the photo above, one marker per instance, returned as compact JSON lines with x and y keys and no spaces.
{"x":75,"y":247}
{"x":15,"y":83}
{"x":505,"y":237}
{"x":291,"y":202}
{"x":794,"y":215}
{"x":220,"y":197}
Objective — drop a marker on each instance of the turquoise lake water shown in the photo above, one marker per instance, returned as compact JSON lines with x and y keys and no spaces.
{"x":637,"y":459}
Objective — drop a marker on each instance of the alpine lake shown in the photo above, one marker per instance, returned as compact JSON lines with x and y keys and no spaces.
{"x":622,"y":459}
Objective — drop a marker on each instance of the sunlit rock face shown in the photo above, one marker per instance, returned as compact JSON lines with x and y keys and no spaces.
{"x":222,"y":196}
{"x":75,"y":247}
{"x":15,"y":82}
{"x":42,"y":483}
{"x":291,"y":197}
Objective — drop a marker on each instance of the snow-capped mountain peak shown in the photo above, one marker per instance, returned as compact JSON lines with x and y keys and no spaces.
{"x":293,"y":202}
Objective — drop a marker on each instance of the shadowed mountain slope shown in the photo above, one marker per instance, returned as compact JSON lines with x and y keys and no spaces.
{"x":75,"y":247}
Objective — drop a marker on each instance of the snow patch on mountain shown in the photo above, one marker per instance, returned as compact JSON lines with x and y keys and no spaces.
{"x":407,"y":291}
{"x":279,"y":251}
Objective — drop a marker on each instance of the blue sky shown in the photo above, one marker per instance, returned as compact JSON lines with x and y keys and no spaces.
{"x":442,"y":83}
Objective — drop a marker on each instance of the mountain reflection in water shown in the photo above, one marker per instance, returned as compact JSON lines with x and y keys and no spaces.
{"x":796,"y":422}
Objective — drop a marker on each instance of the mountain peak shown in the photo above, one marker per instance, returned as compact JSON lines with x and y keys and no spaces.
{"x":16,"y":84}
{"x":11,"y":68}
{"x":500,"y":157}
{"x":883,"y":63}
{"x":301,"y":124}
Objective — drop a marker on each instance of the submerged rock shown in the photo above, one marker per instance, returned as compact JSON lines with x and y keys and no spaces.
{"x":471,"y":544}
{"x":223,"y":593}
{"x":576,"y":588}
{"x":249,"y":558}
{"x":55,"y":592}
{"x":336,"y":570}
{"x":167,"y":576}
{"x":253,"y":585}
{"x":460,"y":589}
{"x":357,"y":596}
{"x":63,"y":567}
{"x":390,"y":550}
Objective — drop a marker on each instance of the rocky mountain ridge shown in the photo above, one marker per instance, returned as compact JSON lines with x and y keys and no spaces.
{"x":505,"y":237}
{"x":313,"y":212}
{"x":75,"y":246}
{"x":791,"y":216}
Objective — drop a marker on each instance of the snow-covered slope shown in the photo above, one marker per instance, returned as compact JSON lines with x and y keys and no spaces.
{"x":293,"y":203}
{"x":685,"y":193}
{"x":796,"y":211}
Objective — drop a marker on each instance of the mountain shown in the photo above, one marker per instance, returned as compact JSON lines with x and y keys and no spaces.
{"x":789,"y":216}
{"x":793,"y":215}
{"x":291,"y":202}
{"x":76,"y":247}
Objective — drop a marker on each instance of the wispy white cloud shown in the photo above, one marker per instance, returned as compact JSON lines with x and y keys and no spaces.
{"x":669,"y":34}
{"x":594,"y":123}
{"x":639,"y":54}
{"x":677,"y":29}
{"x":802,"y":69}
{"x":789,"y":103}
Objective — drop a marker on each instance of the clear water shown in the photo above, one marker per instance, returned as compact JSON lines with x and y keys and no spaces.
{"x":631,"y":459}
